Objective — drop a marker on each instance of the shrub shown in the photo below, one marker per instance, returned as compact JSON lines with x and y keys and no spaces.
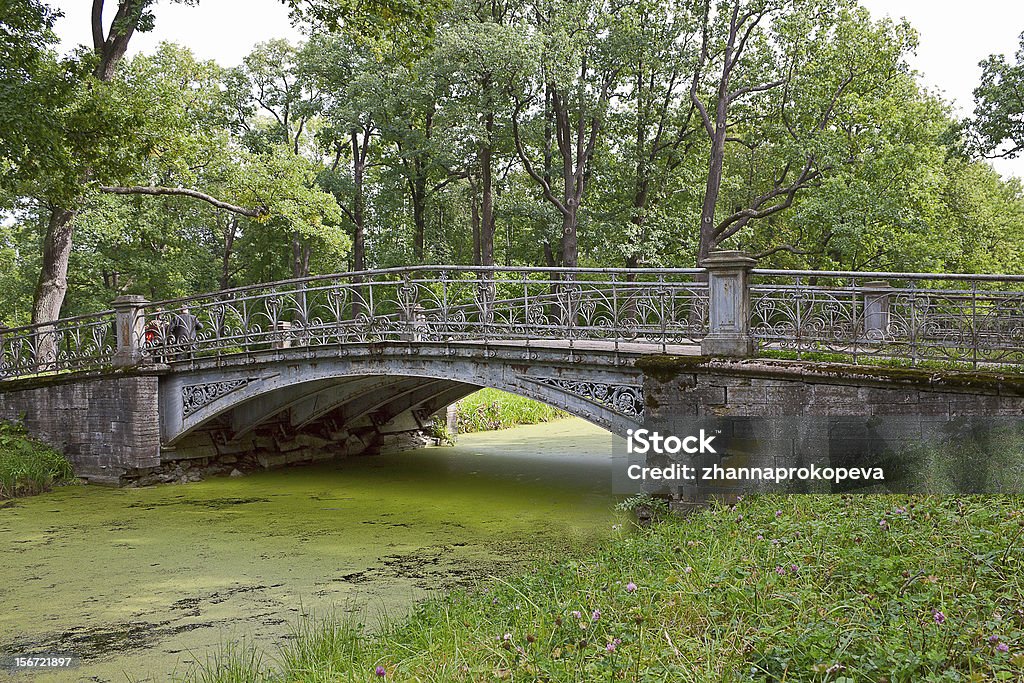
{"x":28,"y":466}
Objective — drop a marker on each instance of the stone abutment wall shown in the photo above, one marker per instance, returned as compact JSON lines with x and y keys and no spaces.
{"x":929,"y":432}
{"x":106,"y":426}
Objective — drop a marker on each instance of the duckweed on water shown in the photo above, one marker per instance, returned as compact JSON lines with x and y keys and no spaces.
{"x":144,"y":582}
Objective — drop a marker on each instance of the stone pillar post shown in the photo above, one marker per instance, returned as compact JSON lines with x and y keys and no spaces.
{"x":452,"y":419}
{"x":130,"y":324}
{"x":282,"y":337}
{"x":728,"y":304}
{"x":876,"y":309}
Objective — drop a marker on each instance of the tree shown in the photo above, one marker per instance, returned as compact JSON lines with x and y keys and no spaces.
{"x":567,"y":106}
{"x":652,"y":128}
{"x":88,"y":120}
{"x":774,"y":76}
{"x":997,"y":129}
{"x":482,"y":62}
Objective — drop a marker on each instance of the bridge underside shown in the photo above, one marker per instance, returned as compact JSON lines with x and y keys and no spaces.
{"x":292,"y":405}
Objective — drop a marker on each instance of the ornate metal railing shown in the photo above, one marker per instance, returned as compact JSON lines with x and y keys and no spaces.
{"x":438,"y":304}
{"x":82,"y":343}
{"x":914,"y":317}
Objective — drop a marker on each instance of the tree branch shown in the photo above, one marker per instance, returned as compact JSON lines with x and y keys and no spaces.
{"x":528,"y":165}
{"x":736,"y":94}
{"x":184,"y":192}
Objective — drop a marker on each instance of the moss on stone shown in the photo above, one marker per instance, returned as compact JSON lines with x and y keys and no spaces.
{"x":667,"y":368}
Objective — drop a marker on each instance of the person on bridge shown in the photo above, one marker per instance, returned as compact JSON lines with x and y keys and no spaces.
{"x":184,"y":330}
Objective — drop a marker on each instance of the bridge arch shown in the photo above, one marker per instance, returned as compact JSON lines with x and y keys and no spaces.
{"x":391,"y":384}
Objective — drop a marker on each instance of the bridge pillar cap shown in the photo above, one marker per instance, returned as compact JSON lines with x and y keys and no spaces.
{"x":130,"y":300}
{"x":728,"y":258}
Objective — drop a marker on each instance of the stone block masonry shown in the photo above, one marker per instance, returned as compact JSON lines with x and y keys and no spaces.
{"x":106,"y":426}
{"x":931,"y":431}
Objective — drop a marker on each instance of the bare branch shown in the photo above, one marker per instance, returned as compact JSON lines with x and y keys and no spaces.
{"x":528,"y":165}
{"x":184,"y":192}
{"x":736,"y":94}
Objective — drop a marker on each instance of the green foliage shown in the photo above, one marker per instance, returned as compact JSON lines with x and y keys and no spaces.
{"x":998,"y":124}
{"x":389,"y":138}
{"x":646,"y":504}
{"x":490,"y":409}
{"x":27,"y":466}
{"x":803,"y":588}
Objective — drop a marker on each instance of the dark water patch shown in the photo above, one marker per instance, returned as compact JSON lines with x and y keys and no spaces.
{"x":210,"y":503}
{"x":99,"y":642}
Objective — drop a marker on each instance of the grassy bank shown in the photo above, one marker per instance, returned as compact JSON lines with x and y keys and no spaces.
{"x":853,"y":588}
{"x":28,"y":466}
{"x":490,"y":409}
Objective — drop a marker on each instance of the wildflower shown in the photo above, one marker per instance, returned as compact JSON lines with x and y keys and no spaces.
{"x":883,"y":524}
{"x":1003,"y":647}
{"x":993,"y":639}
{"x":494,"y":601}
{"x":380,"y":671}
{"x":780,"y":570}
{"x":610,"y":647}
{"x":760,"y":537}
{"x":939,"y":617}
{"x":577,"y":614}
{"x":596,"y":615}
{"x":739,"y":518}
{"x":835,"y":668}
{"x":616,"y":527}
{"x":688,"y":570}
{"x":507,"y":636}
{"x":630,"y":587}
{"x":794,"y":568}
{"x":778,"y":513}
{"x":530,"y":638}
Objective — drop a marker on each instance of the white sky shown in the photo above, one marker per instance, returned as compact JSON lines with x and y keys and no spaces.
{"x":955,"y":36}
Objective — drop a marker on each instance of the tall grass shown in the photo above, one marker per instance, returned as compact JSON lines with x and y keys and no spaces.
{"x":28,"y":466}
{"x":490,"y":409}
{"x":801,"y":588}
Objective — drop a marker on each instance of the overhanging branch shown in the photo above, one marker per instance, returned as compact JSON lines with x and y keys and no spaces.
{"x":157,"y":191}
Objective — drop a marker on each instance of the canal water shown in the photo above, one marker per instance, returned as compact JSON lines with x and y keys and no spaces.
{"x":142,"y":583}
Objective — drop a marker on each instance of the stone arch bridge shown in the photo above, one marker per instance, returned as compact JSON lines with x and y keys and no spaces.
{"x":360,"y":362}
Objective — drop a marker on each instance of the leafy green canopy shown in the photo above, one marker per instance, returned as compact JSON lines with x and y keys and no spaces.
{"x":998,"y":124}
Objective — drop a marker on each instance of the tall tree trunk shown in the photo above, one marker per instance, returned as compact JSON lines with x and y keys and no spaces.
{"x":358,"y":204}
{"x":570,"y":240}
{"x":52,"y":285}
{"x":487,"y":197}
{"x":715,"y":166}
{"x":419,"y":211}
{"x":474,"y":216}
{"x":229,"y":250}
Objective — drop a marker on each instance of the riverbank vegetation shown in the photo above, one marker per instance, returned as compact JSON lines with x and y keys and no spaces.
{"x":28,"y":466}
{"x":801,"y":588}
{"x":490,"y":409}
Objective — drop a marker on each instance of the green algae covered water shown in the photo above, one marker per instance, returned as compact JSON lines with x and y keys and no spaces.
{"x":142,"y":583}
